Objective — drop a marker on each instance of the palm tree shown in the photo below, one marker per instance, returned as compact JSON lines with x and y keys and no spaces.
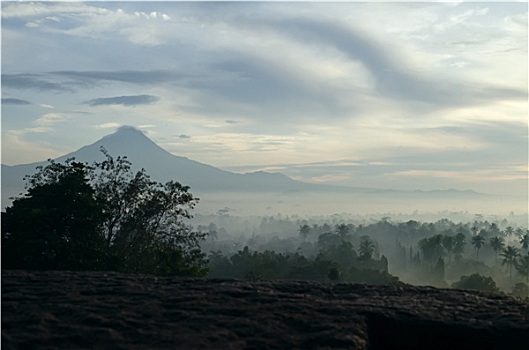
{"x":459,"y":245}
{"x":510,"y":254}
{"x":478,"y":241}
{"x":497,"y":245}
{"x":342,"y":230}
{"x":449,"y":243}
{"x":367,"y":247}
{"x":523,"y":267}
{"x":432,"y":248}
{"x":524,"y":241}
{"x":519,"y":232}
{"x":509,"y":231}
{"x":494,"y":229}
{"x":304,"y":231}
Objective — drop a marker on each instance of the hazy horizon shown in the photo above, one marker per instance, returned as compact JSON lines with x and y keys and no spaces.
{"x":404,"y":96}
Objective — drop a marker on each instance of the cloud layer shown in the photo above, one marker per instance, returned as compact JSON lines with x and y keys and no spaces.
{"x":122,"y":100}
{"x":402,"y":95}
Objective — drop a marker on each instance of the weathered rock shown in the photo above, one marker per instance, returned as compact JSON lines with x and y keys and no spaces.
{"x":75,"y":310}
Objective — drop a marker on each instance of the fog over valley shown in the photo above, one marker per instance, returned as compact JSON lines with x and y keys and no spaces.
{"x":266,"y":193}
{"x":330,"y":143}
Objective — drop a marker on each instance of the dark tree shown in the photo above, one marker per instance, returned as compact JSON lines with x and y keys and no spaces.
{"x":478,"y":241}
{"x":431,"y":248}
{"x":497,"y":243}
{"x":476,"y":282}
{"x":510,"y":254}
{"x":342,"y":230}
{"x":103,"y":216}
{"x":524,"y":242}
{"x":459,"y":245}
{"x":56,"y":224}
{"x":304,"y":231}
{"x":448,"y":243}
{"x":522,"y":266}
{"x":367,"y":248}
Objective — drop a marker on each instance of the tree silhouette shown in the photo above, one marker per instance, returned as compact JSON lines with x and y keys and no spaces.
{"x":102,"y":216}
{"x":519,"y":232}
{"x":476,"y":282}
{"x":431,"y":248}
{"x":524,"y":241}
{"x":304,"y":231}
{"x":478,"y":241}
{"x":55,"y":226}
{"x":448,"y":243}
{"x":497,"y":245}
{"x":366,"y":248}
{"x":509,"y":231}
{"x":475,"y":228}
{"x":523,"y":267}
{"x":459,"y":245}
{"x":494,"y":230}
{"x":342,"y":230}
{"x":509,"y":254}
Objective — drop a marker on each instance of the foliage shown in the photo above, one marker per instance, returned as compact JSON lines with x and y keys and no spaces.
{"x":459,"y":245}
{"x":478,"y":241}
{"x":55,"y":225}
{"x":367,"y":248}
{"x":431,"y":248}
{"x":102,"y":216}
{"x":509,"y":254}
{"x":432,"y":253}
{"x":338,"y":264}
{"x":524,"y":242}
{"x":476,"y":281}
{"x":497,"y":243}
{"x":304,"y":231}
{"x":522,"y":266}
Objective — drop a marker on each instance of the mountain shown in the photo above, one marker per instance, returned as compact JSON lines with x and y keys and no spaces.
{"x":258,"y":192}
{"x":162,"y":166}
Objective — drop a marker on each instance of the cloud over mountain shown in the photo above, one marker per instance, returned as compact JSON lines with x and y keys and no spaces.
{"x":251,"y":192}
{"x":419,"y":94}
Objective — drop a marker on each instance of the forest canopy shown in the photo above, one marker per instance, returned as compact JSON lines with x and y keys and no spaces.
{"x":102,"y":216}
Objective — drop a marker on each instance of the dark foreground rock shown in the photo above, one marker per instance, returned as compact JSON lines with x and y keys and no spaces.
{"x":48,"y":310}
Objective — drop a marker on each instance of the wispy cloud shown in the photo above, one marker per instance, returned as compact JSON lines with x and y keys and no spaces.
{"x":124,"y":76}
{"x":393,"y":77}
{"x":350,"y":92}
{"x":484,"y":175}
{"x":108,"y":126}
{"x":88,"y":20}
{"x":15,"y":101}
{"x":49,"y":119}
{"x":33,"y":81}
{"x":123,"y":100}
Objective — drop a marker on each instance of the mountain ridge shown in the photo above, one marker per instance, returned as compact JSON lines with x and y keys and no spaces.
{"x":202,"y":178}
{"x":161,"y":165}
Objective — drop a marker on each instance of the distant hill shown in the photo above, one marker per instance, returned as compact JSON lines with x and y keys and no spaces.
{"x":204,"y":180}
{"x":163,"y":166}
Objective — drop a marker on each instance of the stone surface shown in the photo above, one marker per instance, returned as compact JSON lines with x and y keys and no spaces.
{"x":76,"y":310}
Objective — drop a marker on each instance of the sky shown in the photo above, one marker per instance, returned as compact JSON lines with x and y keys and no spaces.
{"x":389,"y":95}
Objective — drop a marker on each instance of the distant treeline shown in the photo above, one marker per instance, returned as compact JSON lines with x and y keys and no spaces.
{"x":477,"y":254}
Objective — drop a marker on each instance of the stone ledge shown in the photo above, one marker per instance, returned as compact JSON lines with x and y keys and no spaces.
{"x":87,"y":310}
